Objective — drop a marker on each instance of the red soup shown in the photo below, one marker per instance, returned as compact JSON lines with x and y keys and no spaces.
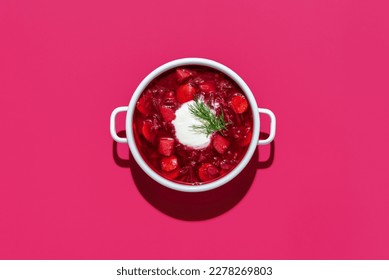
{"x":192,"y":125}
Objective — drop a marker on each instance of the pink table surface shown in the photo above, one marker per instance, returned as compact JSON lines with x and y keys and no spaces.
{"x":321,"y":191}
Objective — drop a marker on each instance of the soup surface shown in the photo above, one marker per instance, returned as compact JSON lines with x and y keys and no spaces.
{"x":192,"y":125}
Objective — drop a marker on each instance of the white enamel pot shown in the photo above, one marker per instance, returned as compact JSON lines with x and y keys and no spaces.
{"x":129,"y":110}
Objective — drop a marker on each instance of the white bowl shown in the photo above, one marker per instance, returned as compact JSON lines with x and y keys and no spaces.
{"x":225,"y":178}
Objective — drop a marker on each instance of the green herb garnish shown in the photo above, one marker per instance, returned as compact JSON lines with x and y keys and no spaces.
{"x":210,"y":123}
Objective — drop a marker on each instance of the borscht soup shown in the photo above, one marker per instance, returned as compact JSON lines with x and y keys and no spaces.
{"x":192,"y":124}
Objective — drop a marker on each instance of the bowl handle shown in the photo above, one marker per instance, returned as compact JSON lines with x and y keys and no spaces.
{"x":272,"y":126}
{"x":112,"y":126}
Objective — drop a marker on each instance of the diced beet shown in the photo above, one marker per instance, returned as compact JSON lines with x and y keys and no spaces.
{"x":220,"y":143}
{"x":239,"y":104}
{"x":208,"y":87}
{"x":143,"y":105}
{"x":172,"y":174}
{"x":166,"y":146}
{"x":207,"y":172}
{"x":212,"y":171}
{"x":183,"y":73}
{"x":147,"y":130}
{"x":185,"y":93}
{"x":169,"y":163}
{"x":167,"y":113}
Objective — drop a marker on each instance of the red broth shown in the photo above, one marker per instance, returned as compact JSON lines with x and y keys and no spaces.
{"x":155,"y":133}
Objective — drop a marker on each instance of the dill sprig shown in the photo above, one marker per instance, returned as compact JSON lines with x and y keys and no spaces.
{"x":210,"y":123}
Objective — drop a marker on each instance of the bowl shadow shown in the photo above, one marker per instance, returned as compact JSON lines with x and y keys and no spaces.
{"x":195,"y":206}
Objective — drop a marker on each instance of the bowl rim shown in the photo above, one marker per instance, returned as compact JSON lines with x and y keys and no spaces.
{"x":193,"y":61}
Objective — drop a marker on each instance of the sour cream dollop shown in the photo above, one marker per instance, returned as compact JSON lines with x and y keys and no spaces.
{"x":184,"y":132}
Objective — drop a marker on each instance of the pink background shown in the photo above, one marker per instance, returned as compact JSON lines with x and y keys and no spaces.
{"x":321,"y":191}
